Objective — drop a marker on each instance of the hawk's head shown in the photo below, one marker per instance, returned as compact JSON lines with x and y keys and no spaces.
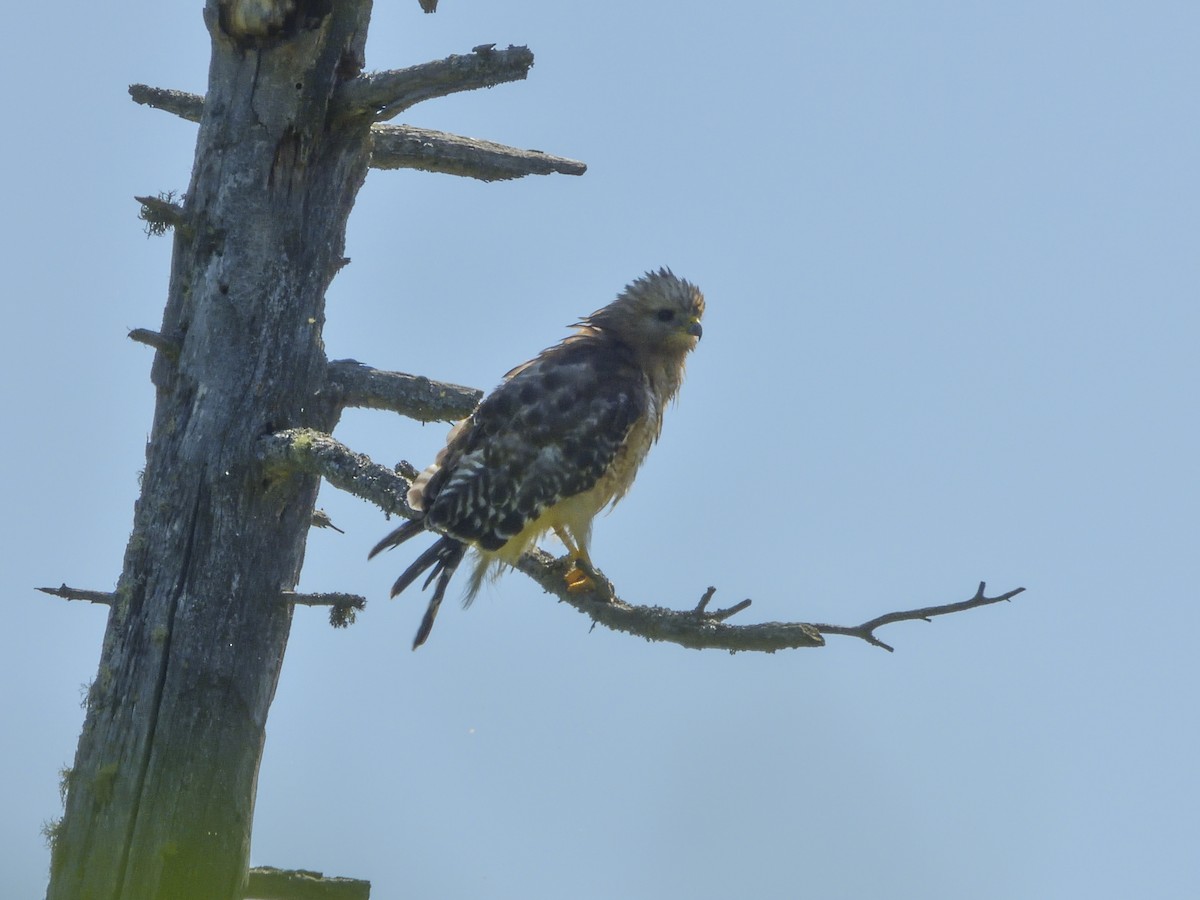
{"x":657,"y":315}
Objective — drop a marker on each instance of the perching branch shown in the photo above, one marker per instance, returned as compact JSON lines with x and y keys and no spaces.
{"x":406,"y":147}
{"x":694,"y":628}
{"x":384,"y":95}
{"x":319,"y":454}
{"x":414,"y":396}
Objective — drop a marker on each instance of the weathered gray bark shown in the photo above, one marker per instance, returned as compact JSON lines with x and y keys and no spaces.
{"x":161,"y":796}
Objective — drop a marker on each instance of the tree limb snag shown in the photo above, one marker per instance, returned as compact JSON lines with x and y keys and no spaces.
{"x":160,"y":342}
{"x":414,"y":396}
{"x":319,"y":454}
{"x":161,"y":213}
{"x":325,"y":598}
{"x":384,"y":95}
{"x":343,"y":608}
{"x":181,"y":103}
{"x":106,"y":598}
{"x":407,"y":147}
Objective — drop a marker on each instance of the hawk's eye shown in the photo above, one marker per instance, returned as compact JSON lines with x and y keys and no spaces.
{"x":665,"y":315}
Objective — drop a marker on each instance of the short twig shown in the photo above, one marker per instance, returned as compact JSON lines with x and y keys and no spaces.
{"x":407,"y":470}
{"x":321,"y":519}
{"x":719,"y":615}
{"x":703,"y":604}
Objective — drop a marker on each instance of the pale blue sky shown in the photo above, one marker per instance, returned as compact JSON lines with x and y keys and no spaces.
{"x":952,"y":260}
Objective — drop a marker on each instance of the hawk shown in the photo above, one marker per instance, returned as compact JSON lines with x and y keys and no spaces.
{"x":560,"y":439}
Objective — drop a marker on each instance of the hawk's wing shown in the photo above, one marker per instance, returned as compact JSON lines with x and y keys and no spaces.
{"x":549,"y":432}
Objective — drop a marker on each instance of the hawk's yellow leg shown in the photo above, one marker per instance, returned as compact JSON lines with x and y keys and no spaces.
{"x":578,"y":580}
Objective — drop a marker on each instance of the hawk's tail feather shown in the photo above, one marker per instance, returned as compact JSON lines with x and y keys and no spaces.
{"x":447,"y":553}
{"x":440,"y":560}
{"x":437,"y":557}
{"x":411,"y":528}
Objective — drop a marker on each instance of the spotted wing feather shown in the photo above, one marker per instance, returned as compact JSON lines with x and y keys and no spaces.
{"x":547,"y":433}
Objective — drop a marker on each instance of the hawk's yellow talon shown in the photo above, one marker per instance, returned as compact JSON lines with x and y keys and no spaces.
{"x":578,"y":581}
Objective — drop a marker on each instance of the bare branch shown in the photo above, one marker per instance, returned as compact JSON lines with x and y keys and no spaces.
{"x":406,"y":147}
{"x":866,"y":631}
{"x":384,"y":95}
{"x":324,"y":598}
{"x":181,"y":103}
{"x":305,"y":450}
{"x":269,"y":883}
{"x":106,"y":598}
{"x":414,"y":396}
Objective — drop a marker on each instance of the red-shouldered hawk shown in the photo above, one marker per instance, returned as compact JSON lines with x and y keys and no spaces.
{"x":560,"y":438}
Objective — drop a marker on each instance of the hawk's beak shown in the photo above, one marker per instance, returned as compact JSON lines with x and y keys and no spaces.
{"x":695,"y":330}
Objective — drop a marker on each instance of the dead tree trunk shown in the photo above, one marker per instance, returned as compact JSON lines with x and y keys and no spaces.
{"x":160,"y":799}
{"x":161,"y":796}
